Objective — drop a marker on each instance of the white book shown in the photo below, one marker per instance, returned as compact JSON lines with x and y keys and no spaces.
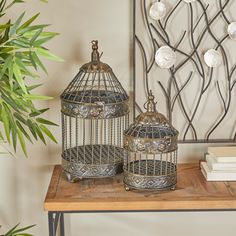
{"x":223,"y":154}
{"x":217,"y":175}
{"x":221,"y":166}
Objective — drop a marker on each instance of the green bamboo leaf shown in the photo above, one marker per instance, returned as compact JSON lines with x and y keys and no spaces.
{"x":1,"y":136}
{"x":7,"y":63}
{"x":12,"y":230}
{"x":6,"y":34}
{"x":32,"y":28}
{"x":2,"y":5}
{"x":33,"y":61}
{"x":13,"y":130}
{"x":19,"y":117}
{"x":18,"y":104}
{"x":26,"y":106}
{"x":22,"y":66}
{"x":39,"y":133}
{"x":46,"y":122}
{"x":10,"y":74}
{"x":24,"y":229}
{"x":39,"y":112}
{"x":22,"y":141}
{"x":4,"y":26}
{"x":18,"y":232}
{"x":32,"y":128}
{"x":45,"y":53}
{"x":14,"y":27}
{"x":24,"y":234}
{"x":3,"y":153}
{"x":41,"y":41}
{"x":48,"y":133}
{"x":19,"y":1}
{"x":36,"y":35}
{"x":43,"y":34}
{"x":7,"y":50}
{"x":36,"y":97}
{"x":23,"y":131}
{"x":32,"y":87}
{"x":10,"y":102}
{"x":28,"y":22}
{"x":20,"y":44}
{"x":5,"y":120}
{"x":23,"y":40}
{"x":49,"y":34}
{"x":14,"y":137}
{"x":18,"y":76}
{"x":13,"y":2}
{"x":38,"y":62}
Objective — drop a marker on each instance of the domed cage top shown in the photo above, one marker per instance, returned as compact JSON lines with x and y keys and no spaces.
{"x":151,"y":143}
{"x":95,"y":111}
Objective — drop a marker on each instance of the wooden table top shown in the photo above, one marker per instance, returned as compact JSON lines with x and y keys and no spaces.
{"x":192,"y":193}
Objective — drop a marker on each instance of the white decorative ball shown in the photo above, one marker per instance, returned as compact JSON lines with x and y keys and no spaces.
{"x":188,"y":1}
{"x":157,"y":10}
{"x":232,"y":30}
{"x":165,"y":57}
{"x":213,"y":58}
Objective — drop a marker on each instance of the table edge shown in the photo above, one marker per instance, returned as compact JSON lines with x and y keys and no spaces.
{"x":139,"y":205}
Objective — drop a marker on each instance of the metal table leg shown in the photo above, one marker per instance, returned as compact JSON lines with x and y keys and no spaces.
{"x":53,"y":219}
{"x":51,"y":224}
{"x":62,"y":227}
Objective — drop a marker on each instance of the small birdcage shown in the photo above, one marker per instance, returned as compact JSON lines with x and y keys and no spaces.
{"x":151,"y":143}
{"x":95,"y":111}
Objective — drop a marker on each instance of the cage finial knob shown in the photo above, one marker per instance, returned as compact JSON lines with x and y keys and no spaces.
{"x":150,"y":105}
{"x":95,"y":57}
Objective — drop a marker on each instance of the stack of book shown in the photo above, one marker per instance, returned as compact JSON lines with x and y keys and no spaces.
{"x":220,"y":164}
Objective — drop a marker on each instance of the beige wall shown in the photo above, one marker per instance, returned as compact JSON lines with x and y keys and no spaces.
{"x":24,"y":182}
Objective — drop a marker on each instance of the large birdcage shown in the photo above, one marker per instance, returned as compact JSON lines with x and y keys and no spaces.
{"x":151,"y":143}
{"x":95,"y":111}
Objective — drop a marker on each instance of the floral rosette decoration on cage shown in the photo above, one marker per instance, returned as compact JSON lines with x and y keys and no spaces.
{"x":151,"y":143}
{"x":95,"y":111}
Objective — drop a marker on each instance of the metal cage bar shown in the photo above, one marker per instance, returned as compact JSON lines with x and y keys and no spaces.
{"x":95,"y":110}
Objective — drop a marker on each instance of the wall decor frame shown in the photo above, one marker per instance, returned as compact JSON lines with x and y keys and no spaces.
{"x":187,"y":90}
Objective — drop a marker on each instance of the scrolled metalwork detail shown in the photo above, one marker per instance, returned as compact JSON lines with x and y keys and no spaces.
{"x":141,"y":182}
{"x":89,"y":111}
{"x":90,"y":162}
{"x":151,"y":146}
{"x":75,"y":172}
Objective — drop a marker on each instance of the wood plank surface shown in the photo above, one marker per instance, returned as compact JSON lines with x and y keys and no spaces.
{"x":192,"y":193}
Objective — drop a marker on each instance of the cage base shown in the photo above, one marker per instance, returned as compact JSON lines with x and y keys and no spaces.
{"x":132,"y":188}
{"x":150,"y":180}
{"x":97,"y":161}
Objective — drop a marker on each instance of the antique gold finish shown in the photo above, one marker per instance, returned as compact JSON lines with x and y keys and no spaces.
{"x":151,"y":142}
{"x":94,"y":109}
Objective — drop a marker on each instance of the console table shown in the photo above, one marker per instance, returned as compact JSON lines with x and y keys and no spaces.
{"x":193,"y":193}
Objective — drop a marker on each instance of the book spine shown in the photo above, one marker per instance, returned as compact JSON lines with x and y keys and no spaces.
{"x":223,"y":159}
{"x":215,"y":166}
{"x":216,"y":175}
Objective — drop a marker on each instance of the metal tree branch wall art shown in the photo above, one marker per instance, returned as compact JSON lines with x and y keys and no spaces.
{"x":184,"y":52}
